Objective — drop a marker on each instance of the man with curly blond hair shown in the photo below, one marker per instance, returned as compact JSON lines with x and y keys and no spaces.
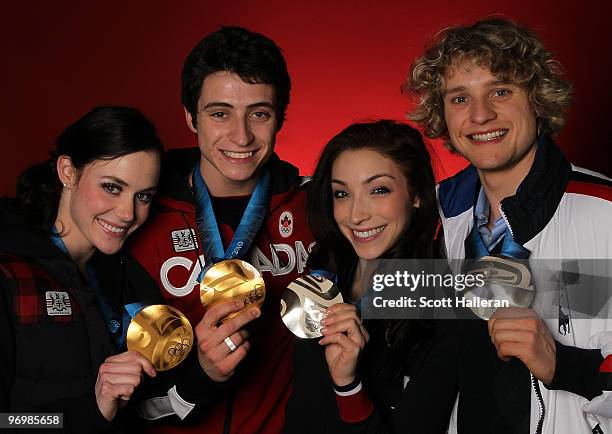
{"x":495,"y":95}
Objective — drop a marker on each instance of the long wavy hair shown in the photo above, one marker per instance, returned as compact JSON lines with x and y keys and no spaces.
{"x":405,"y":147}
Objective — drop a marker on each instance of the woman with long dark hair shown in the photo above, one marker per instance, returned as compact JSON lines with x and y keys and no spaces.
{"x":372,"y":197}
{"x":58,"y":325}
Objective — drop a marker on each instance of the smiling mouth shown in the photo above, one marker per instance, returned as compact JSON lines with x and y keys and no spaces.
{"x":115,"y":230}
{"x":487,"y":137}
{"x":369,"y":234}
{"x":238,"y":155}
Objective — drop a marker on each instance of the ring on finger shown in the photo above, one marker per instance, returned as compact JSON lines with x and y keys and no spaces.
{"x":231,"y":345}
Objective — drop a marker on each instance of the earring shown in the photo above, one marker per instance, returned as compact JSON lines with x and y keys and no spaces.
{"x":64,"y":184}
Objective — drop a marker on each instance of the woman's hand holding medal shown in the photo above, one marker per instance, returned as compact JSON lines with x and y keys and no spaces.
{"x":344,"y":338}
{"x":215,"y":353}
{"x":118,"y":378}
{"x":312,"y":306}
{"x":158,"y":338}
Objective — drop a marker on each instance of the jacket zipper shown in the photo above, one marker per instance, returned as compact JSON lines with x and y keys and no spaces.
{"x":534,"y":381}
{"x":503,"y":214}
{"x":536,"y":387}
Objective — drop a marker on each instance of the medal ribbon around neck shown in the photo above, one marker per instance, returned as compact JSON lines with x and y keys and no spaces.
{"x":250,"y":223}
{"x":509,"y":248}
{"x":516,"y":282}
{"x":112,"y":318}
{"x":165,"y":348}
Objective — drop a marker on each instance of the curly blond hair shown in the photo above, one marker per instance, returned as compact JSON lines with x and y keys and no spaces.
{"x":512,"y":52}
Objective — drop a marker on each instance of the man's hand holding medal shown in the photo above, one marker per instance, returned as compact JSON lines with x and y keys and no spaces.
{"x":232,"y":292}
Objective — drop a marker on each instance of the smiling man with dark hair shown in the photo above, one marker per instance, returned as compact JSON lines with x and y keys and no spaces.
{"x":230,"y":198}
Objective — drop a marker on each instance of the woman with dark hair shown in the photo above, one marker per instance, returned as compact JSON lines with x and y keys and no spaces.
{"x":372,"y":197}
{"x":59,"y":326}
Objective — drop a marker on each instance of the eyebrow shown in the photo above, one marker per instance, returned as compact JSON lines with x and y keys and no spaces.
{"x":121,"y":182}
{"x":228,"y":105}
{"x":491,"y":83}
{"x":117,"y":180}
{"x":366,"y":181}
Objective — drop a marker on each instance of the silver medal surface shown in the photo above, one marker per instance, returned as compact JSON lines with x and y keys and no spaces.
{"x":505,"y":279}
{"x":304,"y":302}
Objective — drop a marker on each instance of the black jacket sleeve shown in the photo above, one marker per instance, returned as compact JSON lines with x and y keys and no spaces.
{"x":83,"y":412}
{"x":189,"y":382}
{"x":427,"y":400}
{"x":577,"y":371}
{"x":424,"y":406}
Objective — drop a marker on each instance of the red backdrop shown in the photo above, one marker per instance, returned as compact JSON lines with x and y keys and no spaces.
{"x":347,"y":60}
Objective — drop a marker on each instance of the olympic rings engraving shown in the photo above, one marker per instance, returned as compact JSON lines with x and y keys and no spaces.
{"x":180,"y":348}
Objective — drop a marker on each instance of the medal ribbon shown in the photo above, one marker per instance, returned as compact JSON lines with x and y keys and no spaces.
{"x":131,"y":310}
{"x":475,"y":249}
{"x":325,"y":274}
{"x":111,"y":317}
{"x":250,"y":223}
{"x":510,"y":248}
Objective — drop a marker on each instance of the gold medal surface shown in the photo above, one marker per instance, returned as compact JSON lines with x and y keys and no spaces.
{"x":232,"y":279}
{"x":162,"y":334}
{"x":304,"y":303}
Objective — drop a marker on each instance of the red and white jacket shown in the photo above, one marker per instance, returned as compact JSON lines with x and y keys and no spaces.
{"x":169,"y":249}
{"x":560,"y":212}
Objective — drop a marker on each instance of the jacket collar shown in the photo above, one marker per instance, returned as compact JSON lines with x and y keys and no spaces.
{"x":176,"y":193}
{"x":535,"y":202}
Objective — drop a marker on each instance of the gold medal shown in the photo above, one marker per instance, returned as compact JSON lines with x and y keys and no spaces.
{"x":232,"y":279}
{"x":162,"y":334}
{"x":304,"y":303}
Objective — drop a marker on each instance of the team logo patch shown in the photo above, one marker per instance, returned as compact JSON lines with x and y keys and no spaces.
{"x":184,"y":240}
{"x":285,"y":224}
{"x":58,"y":303}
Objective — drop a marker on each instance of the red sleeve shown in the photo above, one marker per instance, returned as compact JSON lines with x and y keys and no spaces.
{"x":143,"y":247}
{"x":354,"y":408}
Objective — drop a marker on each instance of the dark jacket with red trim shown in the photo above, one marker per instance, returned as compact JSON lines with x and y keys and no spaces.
{"x":53,"y":337}
{"x":413,"y":393}
{"x":48,"y":319}
{"x":169,"y":255}
{"x":560,"y":212}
